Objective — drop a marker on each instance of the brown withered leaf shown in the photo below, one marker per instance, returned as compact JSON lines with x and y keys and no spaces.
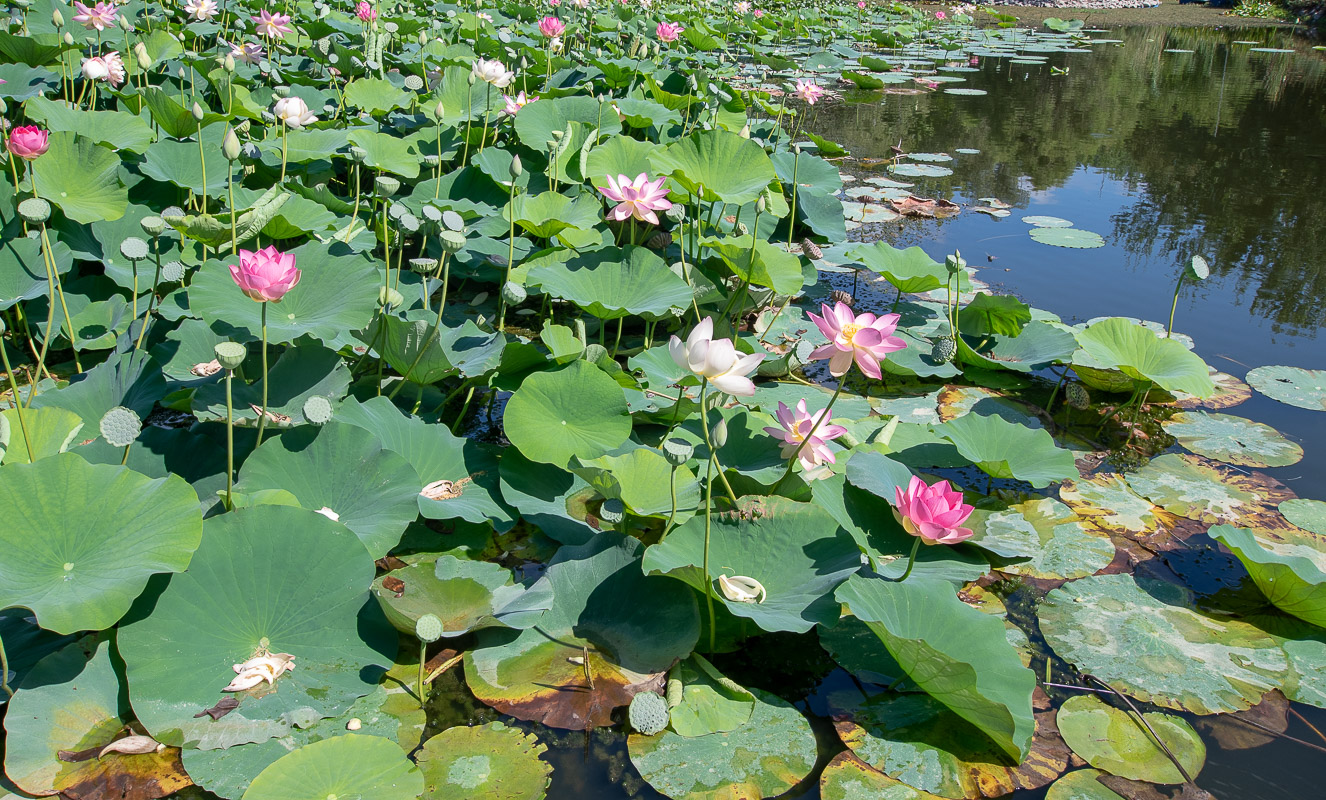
{"x":394,"y":585}
{"x":223,"y":706}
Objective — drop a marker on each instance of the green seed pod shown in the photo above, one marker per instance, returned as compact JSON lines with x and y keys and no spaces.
{"x":358,"y":154}
{"x":389,"y":298}
{"x":513,"y":293}
{"x":281,"y":91}
{"x":452,"y":242}
{"x":230,"y":354}
{"x":414,"y":83}
{"x":172,"y":272}
{"x":423,"y":266}
{"x":943,"y":350}
{"x":318,"y":410}
{"x":153,"y":225}
{"x":386,"y":186}
{"x":34,"y":210}
{"x":134,"y":249}
{"x":120,"y":426}
{"x":428,"y":628}
{"x":1077,"y":395}
{"x":678,"y":451}
{"x":648,"y":713}
{"x":659,"y":241}
{"x":230,"y":145}
{"x":612,"y":511}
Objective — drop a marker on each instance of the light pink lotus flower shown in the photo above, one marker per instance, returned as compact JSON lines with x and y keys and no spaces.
{"x":201,"y":10}
{"x":940,"y":15}
{"x":668,"y":31}
{"x":551,"y":26}
{"x":715,"y":360}
{"x":514,"y":104}
{"x":366,"y":12}
{"x":759,"y":13}
{"x":867,"y":339}
{"x":115,"y":66}
{"x":796,"y":426}
{"x":554,"y":3}
{"x":265,"y":275}
{"x":28,"y":142}
{"x":638,"y":198}
{"x":580,"y":3}
{"x":492,"y":71}
{"x":273,"y":26}
{"x":932,"y":512}
{"x":250,"y":53}
{"x":974,"y":61}
{"x":741,"y":7}
{"x":100,"y":16}
{"x":809,"y":91}
{"x":293,"y":112}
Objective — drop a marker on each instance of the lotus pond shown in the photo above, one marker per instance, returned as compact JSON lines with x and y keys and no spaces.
{"x":657,"y":400}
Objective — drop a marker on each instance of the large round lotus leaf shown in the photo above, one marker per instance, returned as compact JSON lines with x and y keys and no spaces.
{"x":343,"y":468}
{"x":1304,"y":388}
{"x":437,"y":455}
{"x":612,"y":283}
{"x":1233,"y":440}
{"x":957,"y":401}
{"x":855,"y":647}
{"x":730,"y":168}
{"x":910,"y":270}
{"x":957,"y":654}
{"x":848,"y":778}
{"x":1047,"y":222}
{"x":335,"y":295}
{"x":919,"y":170}
{"x":1288,"y":566}
{"x":1307,"y":514}
{"x":273,"y":577}
{"x":73,"y":700}
{"x":465,"y":595}
{"x":1004,"y":449}
{"x":130,"y":379}
{"x":710,"y":702}
{"x":1192,"y":487}
{"x":576,"y":411}
{"x":347,"y":766}
{"x":50,"y":431}
{"x":1104,"y":502}
{"x":763,"y":758}
{"x":79,"y":540}
{"x":1158,"y":648}
{"x":1081,"y":785}
{"x":795,"y":550}
{"x":1115,"y":741}
{"x":1119,"y":343}
{"x":82,"y":179}
{"x":917,"y":740}
{"x":485,"y":762}
{"x":1068,"y":237}
{"x":622,"y":628}
{"x":1045,"y":532}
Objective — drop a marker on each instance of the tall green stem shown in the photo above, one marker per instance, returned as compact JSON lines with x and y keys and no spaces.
{"x":911,"y":559}
{"x":230,"y":443}
{"x":708,"y":518}
{"x":18,"y":402}
{"x":791,"y":462}
{"x":4,"y":670}
{"x":423,"y":659}
{"x":262,"y":420}
{"x":1174,"y":306}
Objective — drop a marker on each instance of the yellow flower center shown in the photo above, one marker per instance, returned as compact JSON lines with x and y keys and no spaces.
{"x":849,"y":332}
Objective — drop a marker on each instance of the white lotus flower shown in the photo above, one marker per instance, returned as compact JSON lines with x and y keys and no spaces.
{"x":741,"y":589}
{"x":293,"y":112}
{"x":329,"y":514}
{"x":262,"y":667}
{"x":95,"y":69}
{"x":494,"y":72}
{"x":716,"y":360}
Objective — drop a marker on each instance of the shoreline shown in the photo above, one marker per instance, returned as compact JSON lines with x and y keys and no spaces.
{"x":1169,"y":13}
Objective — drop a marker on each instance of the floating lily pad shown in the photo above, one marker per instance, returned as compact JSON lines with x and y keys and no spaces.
{"x":1303,"y":388}
{"x":1201,"y":490}
{"x":1005,"y":449}
{"x":611,"y":632}
{"x":1047,"y":222}
{"x":1105,"y":502}
{"x":1068,"y":237}
{"x":933,"y":158}
{"x":1307,"y":514}
{"x":920,"y":170}
{"x":1288,"y":566}
{"x":464,"y":595}
{"x":576,"y":411}
{"x":763,"y":758}
{"x":343,"y":767}
{"x":849,"y":778}
{"x":1081,"y":785}
{"x":1233,"y":440}
{"x":1045,"y":532}
{"x":484,"y":762}
{"x":965,"y":91}
{"x":1115,"y":741}
{"x":1229,"y":392}
{"x":710,"y":702}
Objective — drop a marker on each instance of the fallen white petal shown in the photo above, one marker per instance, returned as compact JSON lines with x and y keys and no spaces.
{"x":741,"y":589}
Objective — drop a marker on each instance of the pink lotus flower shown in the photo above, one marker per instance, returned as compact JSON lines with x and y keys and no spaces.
{"x":797,"y":426}
{"x":867,"y":339}
{"x":638,"y":198}
{"x":932,"y":512}
{"x":273,"y":26}
{"x":366,"y":12}
{"x":759,"y":12}
{"x":668,"y":31}
{"x":114,"y":68}
{"x":514,"y":104}
{"x":551,"y":26}
{"x":861,"y":4}
{"x":554,"y":3}
{"x":809,"y":91}
{"x":975,"y":61}
{"x":715,"y":360}
{"x":741,"y":7}
{"x":248,"y":53}
{"x":28,"y":142}
{"x":940,"y":15}
{"x":265,"y":275}
{"x":100,"y":16}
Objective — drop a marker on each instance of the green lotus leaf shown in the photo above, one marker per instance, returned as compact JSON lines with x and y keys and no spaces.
{"x":766,"y":757}
{"x":848,"y":778}
{"x":544,"y":494}
{"x":1081,"y":785}
{"x":1045,"y":532}
{"x":82,"y":178}
{"x":915,"y":739}
{"x":855,"y":647}
{"x":1047,"y":222}
{"x":958,"y":655}
{"x":26,"y":643}
{"x":1067,"y":237}
{"x":312,"y":144}
{"x":730,"y":169}
{"x":376,"y":95}
{"x":1005,"y":449}
{"x":645,"y":481}
{"x":1302,"y":388}
{"x":1038,"y":345}
{"x":1288,"y":566}
{"x":576,"y":411}
{"x":808,"y":172}
{"x":919,"y":170}
{"x":1233,"y":440}
{"x":175,"y":120}
{"x":709,"y":701}
{"x":549,"y":213}
{"x":437,"y":455}
{"x":1158,"y":648}
{"x":130,"y":379}
{"x":1307,"y":514}
{"x":407,"y":346}
{"x":24,"y":82}
{"x":179,"y":163}
{"x":465,"y":595}
{"x":461,"y":101}
{"x":760,"y":262}
{"x":103,"y":531}
{"x":1188,"y":486}
{"x":1104,"y":502}
{"x":796,"y":551}
{"x":909,"y":270}
{"x":50,"y":431}
{"x":618,"y":155}
{"x":387,"y":152}
{"x":490,"y":761}
{"x":74,"y":701}
{"x":303,"y":371}
{"x":1142,"y":356}
{"x":612,"y":283}
{"x":22,"y":270}
{"x":915,"y":359}
{"x":862,"y":80}
{"x":345,"y":469}
{"x":537,"y":121}
{"x":268,"y":577}
{"x":999,"y":315}
{"x":345,"y":766}
{"x":118,"y":130}
{"x":1117,"y":742}
{"x":623,"y":629}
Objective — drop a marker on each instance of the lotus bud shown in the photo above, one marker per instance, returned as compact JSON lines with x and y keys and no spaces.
{"x":125,"y":25}
{"x":470,"y":80}
{"x":57,"y":19}
{"x":230,"y":354}
{"x":34,"y":210}
{"x":230,"y":147}
{"x":745,"y":131}
{"x":180,"y":73}
{"x":955,"y":262}
{"x":612,"y":511}
{"x":229,"y":63}
{"x":719,"y":433}
{"x":428,"y":628}
{"x":2,"y":331}
{"x":439,"y":111}
{"x":516,"y":169}
{"x":760,"y":205}
{"x":677,"y":451}
{"x":197,"y":112}
{"x":68,"y":38}
{"x":389,"y":298}
{"x":140,"y":55}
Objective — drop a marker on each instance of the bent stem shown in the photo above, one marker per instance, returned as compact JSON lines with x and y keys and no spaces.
{"x":791,"y":462}
{"x":262,"y":420}
{"x":18,"y":405}
{"x":1169,"y":328}
{"x":911,"y":559}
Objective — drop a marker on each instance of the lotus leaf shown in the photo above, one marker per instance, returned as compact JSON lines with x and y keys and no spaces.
{"x":50,"y":431}
{"x":1142,"y":356}
{"x":130,"y":379}
{"x":1302,"y":388}
{"x":82,"y":178}
{"x":1105,"y":502}
{"x":1004,"y":449}
{"x":1081,"y":785}
{"x":576,"y":411}
{"x":543,"y":493}
{"x":303,"y":371}
{"x":645,"y":481}
{"x":716,"y":165}
{"x":1288,"y":566}
{"x":848,"y":778}
{"x":490,"y":761}
{"x":1189,"y":486}
{"x":709,"y":702}
{"x":1117,"y":742}
{"x":759,"y":262}
{"x":1045,"y":532}
{"x":344,"y":766}
{"x":612,"y":283}
{"x":1307,"y":514}
{"x":465,"y":595}
{"x":909,"y":270}
{"x":1038,"y":345}
{"x":1233,"y":440}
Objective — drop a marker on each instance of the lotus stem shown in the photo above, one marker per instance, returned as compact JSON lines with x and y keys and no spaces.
{"x":487,"y":101}
{"x":50,"y":317}
{"x":230,"y":443}
{"x":4,"y":670}
{"x":423,"y":658}
{"x":1141,"y":718}
{"x":22,"y":419}
{"x":791,"y":217}
{"x":1169,"y":328}
{"x":262,"y":420}
{"x":284,"y":140}
{"x":445,"y":269}
{"x":708,"y":521}
{"x":202,"y":160}
{"x":455,"y":426}
{"x":791,"y":462}
{"x":911,"y":559}
{"x":511,"y":254}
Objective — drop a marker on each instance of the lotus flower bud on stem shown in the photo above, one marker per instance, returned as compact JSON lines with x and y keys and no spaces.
{"x":230,"y":147}
{"x":516,"y":169}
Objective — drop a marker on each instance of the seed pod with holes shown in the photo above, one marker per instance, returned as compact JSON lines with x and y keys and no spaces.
{"x":812,"y":250}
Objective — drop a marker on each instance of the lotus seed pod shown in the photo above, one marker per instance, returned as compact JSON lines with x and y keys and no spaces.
{"x":432,"y":213}
{"x":230,"y":147}
{"x":34,"y":210}
{"x":742,"y":230}
{"x":120,"y":426}
{"x":812,"y":250}
{"x":423,"y":266}
{"x":612,"y":511}
{"x":677,"y":213}
{"x":152,"y":225}
{"x":648,"y":713}
{"x":57,"y":19}
{"x":133,"y":248}
{"x":955,"y":262}
{"x":452,"y":242}
{"x":428,"y":629}
{"x":281,"y":91}
{"x":172,"y":211}
{"x":513,"y":294}
{"x":844,"y":297}
{"x":386,"y":186}
{"x":516,"y":169}
{"x":389,"y":298}
{"x":659,"y":241}
{"x":172,"y":272}
{"x":1077,"y":395}
{"x":358,"y":154}
{"x":414,"y":83}
{"x":230,"y":354}
{"x":943,"y":350}
{"x":678,"y":451}
{"x":719,"y":433}
{"x":318,"y":410}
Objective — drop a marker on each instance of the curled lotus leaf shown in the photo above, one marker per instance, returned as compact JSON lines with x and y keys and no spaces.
{"x":1289,"y":566}
{"x":1003,"y":449}
{"x":1233,"y":440}
{"x":1122,"y":344}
